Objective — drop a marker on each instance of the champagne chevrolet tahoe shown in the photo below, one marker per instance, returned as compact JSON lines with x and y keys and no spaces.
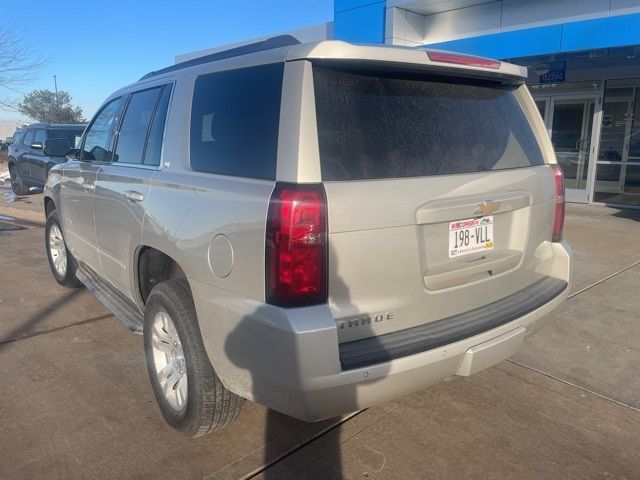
{"x":314,"y":227}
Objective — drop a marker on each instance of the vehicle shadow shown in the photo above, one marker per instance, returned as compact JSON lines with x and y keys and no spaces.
{"x":26,"y":328}
{"x":307,"y":458}
{"x":628,"y":214}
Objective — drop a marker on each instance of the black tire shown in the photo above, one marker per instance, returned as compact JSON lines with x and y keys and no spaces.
{"x":67,"y":278}
{"x":209,"y":405}
{"x":17,"y":185}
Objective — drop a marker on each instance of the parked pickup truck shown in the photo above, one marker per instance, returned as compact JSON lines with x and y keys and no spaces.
{"x":315,"y":227}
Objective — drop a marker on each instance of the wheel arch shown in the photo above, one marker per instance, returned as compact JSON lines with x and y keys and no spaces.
{"x":49,"y":206}
{"x":152,"y":267}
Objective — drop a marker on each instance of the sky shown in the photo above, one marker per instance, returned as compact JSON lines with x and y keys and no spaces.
{"x":95,"y":47}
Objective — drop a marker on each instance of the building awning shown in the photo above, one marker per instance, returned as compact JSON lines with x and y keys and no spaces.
{"x":615,"y":31}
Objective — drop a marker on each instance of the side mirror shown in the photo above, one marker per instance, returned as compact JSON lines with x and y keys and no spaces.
{"x":36,"y":145}
{"x":10,"y":141}
{"x":56,"y":147}
{"x":73,"y":154}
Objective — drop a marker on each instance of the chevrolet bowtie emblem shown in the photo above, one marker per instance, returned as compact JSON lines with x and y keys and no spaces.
{"x":487,"y":207}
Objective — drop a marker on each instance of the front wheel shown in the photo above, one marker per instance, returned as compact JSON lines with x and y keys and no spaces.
{"x":63,"y":264}
{"x":17,"y":185}
{"x":190,"y":395}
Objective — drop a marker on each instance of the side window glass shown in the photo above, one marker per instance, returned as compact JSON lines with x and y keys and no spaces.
{"x":99,"y":137}
{"x":28,"y":137}
{"x":154,"y":144}
{"x":235,"y":119}
{"x":40,"y":136}
{"x":132,"y":136}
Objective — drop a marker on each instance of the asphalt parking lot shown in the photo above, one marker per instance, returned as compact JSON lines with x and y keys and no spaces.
{"x":76,"y":402}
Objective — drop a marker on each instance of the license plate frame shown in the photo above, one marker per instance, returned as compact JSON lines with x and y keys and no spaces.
{"x":471,"y":235}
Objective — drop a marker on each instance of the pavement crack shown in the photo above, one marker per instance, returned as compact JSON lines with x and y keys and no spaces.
{"x":571,"y":384}
{"x":604,"y":279}
{"x":339,"y":444}
{"x":56,"y":329}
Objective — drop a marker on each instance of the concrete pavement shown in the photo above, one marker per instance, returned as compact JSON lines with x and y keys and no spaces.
{"x":76,"y":402}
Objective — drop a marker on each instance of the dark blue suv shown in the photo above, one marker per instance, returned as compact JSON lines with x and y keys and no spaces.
{"x":39,"y":147}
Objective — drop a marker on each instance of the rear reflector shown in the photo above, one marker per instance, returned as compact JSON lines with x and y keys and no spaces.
{"x":463,"y":60}
{"x":558,"y":223}
{"x":296,"y":246}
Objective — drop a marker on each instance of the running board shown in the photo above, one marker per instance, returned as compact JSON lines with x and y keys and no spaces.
{"x":123,"y":308}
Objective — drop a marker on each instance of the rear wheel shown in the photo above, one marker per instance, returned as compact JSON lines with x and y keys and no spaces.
{"x":63,"y":264}
{"x":17,"y":185}
{"x":190,"y":395}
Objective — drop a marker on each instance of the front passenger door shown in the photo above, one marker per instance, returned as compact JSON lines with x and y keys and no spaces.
{"x":79,"y":184}
{"x":22,"y":155}
{"x":122,"y":187}
{"x":37,"y":159}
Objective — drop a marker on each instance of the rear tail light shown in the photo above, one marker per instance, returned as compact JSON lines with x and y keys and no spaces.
{"x":558,"y":223}
{"x":296,"y":246}
{"x":458,"y":59}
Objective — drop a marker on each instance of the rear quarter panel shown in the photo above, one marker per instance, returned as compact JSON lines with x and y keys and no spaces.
{"x":186,"y":210}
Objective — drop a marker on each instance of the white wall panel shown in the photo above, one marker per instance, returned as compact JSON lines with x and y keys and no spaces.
{"x":464,"y":22}
{"x":521,"y":13}
{"x":619,"y":7}
{"x":411,"y":22}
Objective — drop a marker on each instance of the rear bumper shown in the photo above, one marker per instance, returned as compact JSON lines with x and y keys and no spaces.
{"x":290,"y":360}
{"x":399,"y":344}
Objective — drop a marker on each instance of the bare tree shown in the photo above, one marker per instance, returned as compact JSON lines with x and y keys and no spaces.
{"x":19,"y":64}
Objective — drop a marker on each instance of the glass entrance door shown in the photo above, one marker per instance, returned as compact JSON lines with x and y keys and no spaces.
{"x":571,"y":125}
{"x":618,"y":165}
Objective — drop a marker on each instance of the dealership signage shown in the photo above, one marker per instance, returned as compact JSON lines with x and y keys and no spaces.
{"x":556,"y":73}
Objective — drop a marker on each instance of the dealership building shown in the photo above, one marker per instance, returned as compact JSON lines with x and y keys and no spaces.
{"x":583,"y":58}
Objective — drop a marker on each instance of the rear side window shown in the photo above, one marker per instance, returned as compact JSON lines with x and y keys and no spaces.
{"x":235,"y":121}
{"x":154,"y":144}
{"x":132,"y":136}
{"x":379,"y":126}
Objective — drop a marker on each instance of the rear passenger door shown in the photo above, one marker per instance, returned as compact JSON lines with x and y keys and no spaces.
{"x":122,"y":185}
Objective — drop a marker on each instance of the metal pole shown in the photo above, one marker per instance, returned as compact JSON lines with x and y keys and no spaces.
{"x":55,"y":83}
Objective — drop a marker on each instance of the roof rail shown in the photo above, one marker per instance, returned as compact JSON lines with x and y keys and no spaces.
{"x":268,"y":44}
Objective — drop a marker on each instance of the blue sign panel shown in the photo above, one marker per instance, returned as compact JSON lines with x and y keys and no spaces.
{"x":556,"y":73}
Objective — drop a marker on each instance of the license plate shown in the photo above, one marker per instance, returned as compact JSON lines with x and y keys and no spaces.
{"x":470,"y":236}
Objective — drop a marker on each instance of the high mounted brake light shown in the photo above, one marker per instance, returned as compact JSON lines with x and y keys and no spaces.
{"x":459,"y":59}
{"x":558,"y":223}
{"x":296,"y":246}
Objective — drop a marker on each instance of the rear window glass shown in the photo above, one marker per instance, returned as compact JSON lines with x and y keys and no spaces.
{"x":235,"y":121}
{"x":372,"y":126}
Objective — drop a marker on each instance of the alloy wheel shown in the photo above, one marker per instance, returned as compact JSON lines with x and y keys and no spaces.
{"x":169,"y":361}
{"x":58,"y":250}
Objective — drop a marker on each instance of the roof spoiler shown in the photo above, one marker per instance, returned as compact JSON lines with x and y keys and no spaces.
{"x":268,"y":44}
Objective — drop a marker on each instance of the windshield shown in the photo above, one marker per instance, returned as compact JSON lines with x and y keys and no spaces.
{"x":383,"y":126}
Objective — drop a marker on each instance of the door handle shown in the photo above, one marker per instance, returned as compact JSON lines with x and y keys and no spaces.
{"x":134,"y":196}
{"x":89,"y":187}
